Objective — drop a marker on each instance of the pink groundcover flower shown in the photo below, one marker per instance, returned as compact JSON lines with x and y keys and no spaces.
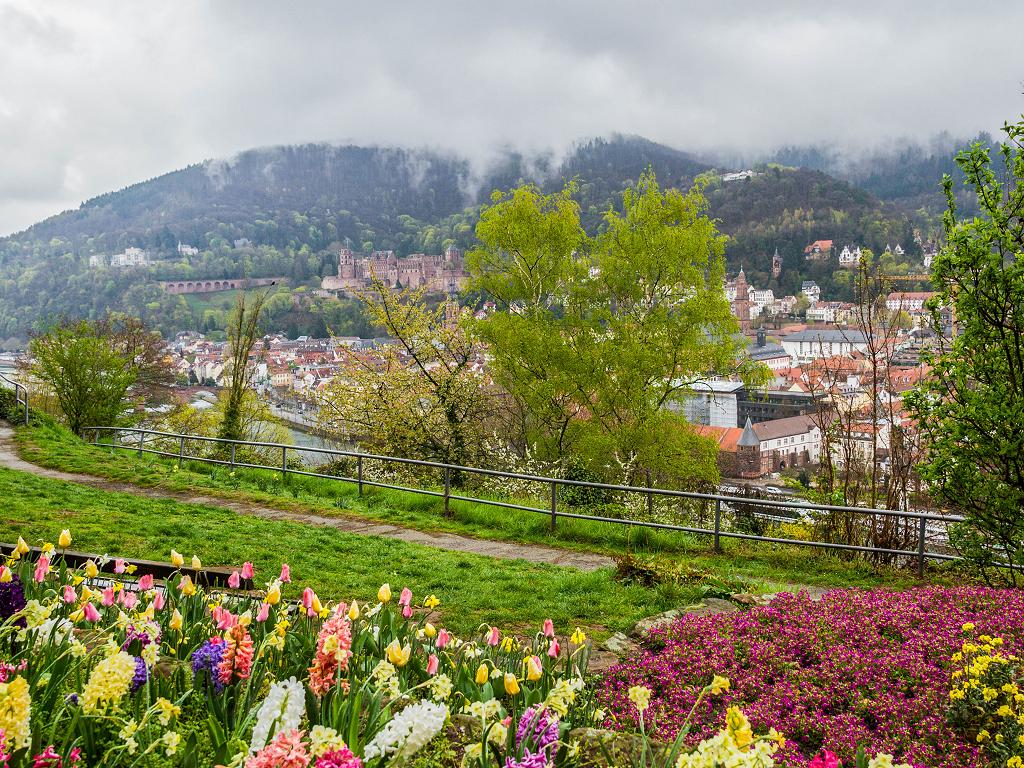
{"x":859,"y":668}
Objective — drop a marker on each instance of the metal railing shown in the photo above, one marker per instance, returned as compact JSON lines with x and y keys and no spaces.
{"x":143,"y":440}
{"x":20,"y":393}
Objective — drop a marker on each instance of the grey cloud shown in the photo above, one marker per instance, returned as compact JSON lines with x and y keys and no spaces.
{"x":94,"y":96}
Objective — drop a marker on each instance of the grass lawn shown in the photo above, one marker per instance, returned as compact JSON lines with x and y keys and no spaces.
{"x":768,"y":567}
{"x":473,"y":589}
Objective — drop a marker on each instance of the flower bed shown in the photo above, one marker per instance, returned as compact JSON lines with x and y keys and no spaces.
{"x":869,"y":668}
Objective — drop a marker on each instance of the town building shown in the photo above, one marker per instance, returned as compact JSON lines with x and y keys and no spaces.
{"x":819,"y":250}
{"x":131,"y":257}
{"x":910,"y":301}
{"x":187,"y":250}
{"x":849,"y":257}
{"x":811,"y":290}
{"x":814,"y":343}
{"x":712,"y":403}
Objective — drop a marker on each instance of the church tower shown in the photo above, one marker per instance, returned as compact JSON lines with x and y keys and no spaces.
{"x":748,"y":453}
{"x":741,"y":304}
{"x":776,"y":264}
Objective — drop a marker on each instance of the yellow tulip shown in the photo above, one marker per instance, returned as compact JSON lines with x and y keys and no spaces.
{"x":534,"y":670}
{"x":397,"y":654}
{"x":65,"y":539}
{"x":21,"y":548}
{"x":482,"y":674}
{"x":511,"y":684}
{"x":429,"y":630}
{"x":186,"y":586}
{"x":176,"y":559}
{"x":176,"y":620}
{"x":87,"y":594}
{"x":273,"y":594}
{"x":5,"y":574}
{"x":91,"y":569}
{"x":353,"y":611}
{"x":196,"y":562}
{"x":384,"y":593}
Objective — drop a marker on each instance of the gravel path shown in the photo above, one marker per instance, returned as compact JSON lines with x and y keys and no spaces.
{"x":533,"y":553}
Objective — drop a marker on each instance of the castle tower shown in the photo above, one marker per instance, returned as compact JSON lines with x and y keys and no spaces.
{"x":776,"y":264}
{"x":346,"y":264}
{"x":748,"y":452}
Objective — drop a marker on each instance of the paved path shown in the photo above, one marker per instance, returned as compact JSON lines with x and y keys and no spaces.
{"x":534,"y":553}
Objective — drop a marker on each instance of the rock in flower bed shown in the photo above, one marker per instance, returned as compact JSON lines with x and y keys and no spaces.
{"x":858,"y":668}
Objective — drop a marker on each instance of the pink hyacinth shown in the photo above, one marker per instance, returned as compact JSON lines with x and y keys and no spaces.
{"x":247,"y":570}
{"x":339,"y":758}
{"x":286,"y":574}
{"x":236,"y":661}
{"x":327,"y":666}
{"x":234,"y":580}
{"x":285,"y":751}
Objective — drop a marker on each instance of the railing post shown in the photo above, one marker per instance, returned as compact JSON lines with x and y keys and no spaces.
{"x":554,"y":503}
{"x":142,"y":438}
{"x":181,"y":452}
{"x":718,"y":525}
{"x":25,"y":390}
{"x":650,"y":498}
{"x":920,"y":548}
{"x":284,"y":461}
{"x":447,"y":491}
{"x":232,"y":455}
{"x":359,"y":473}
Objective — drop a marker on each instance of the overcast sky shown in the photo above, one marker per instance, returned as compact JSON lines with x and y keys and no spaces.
{"x":97,"y":95}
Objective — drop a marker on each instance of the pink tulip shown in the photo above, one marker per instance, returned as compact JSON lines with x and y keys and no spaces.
{"x":432,"y":665}
{"x":69,"y":594}
{"x":286,"y":574}
{"x":494,"y":637}
{"x":158,"y":601}
{"x":234,"y":580}
{"x":119,"y":566}
{"x":223,"y":618}
{"x":247,"y":571}
{"x":443,"y":638}
{"x":146,"y":582}
{"x":264,"y":613}
{"x":549,"y":628}
{"x":554,"y":649}
{"x":406,"y":597}
{"x":406,"y":611}
{"x":129,"y":599}
{"x":108,"y":596}
{"x":308,"y":596}
{"x":42,"y":568}
{"x":825,"y":760}
{"x":91,"y":614}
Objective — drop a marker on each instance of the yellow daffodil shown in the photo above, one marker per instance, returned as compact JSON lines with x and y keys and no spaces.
{"x":640,"y":695}
{"x":579,"y":637}
{"x":719,"y":684}
{"x":431,"y":602}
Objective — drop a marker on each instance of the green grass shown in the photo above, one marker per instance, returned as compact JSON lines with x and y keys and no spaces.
{"x":767,"y":567}
{"x":474,"y":589}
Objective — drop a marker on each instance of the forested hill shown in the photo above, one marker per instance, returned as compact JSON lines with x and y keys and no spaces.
{"x":283,"y":211}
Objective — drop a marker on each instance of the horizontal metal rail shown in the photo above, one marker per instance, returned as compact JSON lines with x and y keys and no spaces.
{"x":20,"y":394}
{"x":722,"y":502}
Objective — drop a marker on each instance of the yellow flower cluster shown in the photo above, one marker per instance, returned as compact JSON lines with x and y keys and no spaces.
{"x":735,"y":746}
{"x":108,"y":682}
{"x":15,"y":713}
{"x":977,"y":660}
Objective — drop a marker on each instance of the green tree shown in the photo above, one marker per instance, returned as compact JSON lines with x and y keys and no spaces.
{"x":971,"y":409}
{"x":99,"y":371}
{"x":243,"y":332}
{"x":600,"y":338}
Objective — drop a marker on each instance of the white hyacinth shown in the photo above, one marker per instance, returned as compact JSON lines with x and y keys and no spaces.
{"x":280,"y":711}
{"x":409,"y":731}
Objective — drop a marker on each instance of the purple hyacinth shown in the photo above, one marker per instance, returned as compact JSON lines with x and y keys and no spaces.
{"x":12,"y":599}
{"x":206,"y":658}
{"x":536,"y":735}
{"x":141,"y":674}
{"x":134,"y":634}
